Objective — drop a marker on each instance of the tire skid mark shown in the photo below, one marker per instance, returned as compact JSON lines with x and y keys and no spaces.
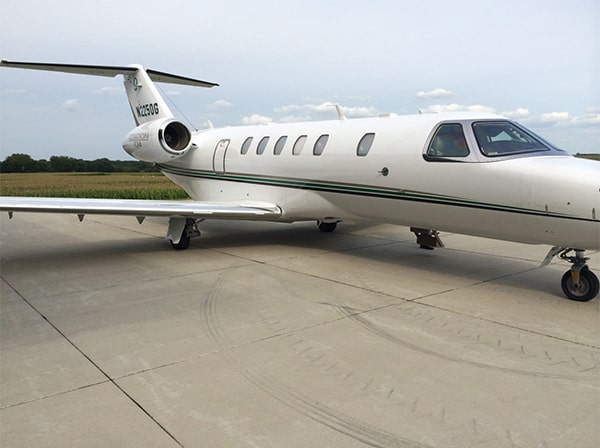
{"x":590,"y":362}
{"x":208,"y":312}
{"x":377,"y":330}
{"x":333,"y":368}
{"x":312,"y":409}
{"x":318,"y":412}
{"x":322,"y":414}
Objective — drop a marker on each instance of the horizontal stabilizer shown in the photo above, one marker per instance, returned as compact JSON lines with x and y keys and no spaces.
{"x":107,"y":70}
{"x":169,"y":78}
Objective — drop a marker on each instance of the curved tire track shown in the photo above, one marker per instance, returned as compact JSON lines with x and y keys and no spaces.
{"x":324,"y":415}
{"x":306,"y":406}
{"x":358,"y":318}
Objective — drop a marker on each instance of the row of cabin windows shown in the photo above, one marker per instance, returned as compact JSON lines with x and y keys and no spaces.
{"x":362,"y":149}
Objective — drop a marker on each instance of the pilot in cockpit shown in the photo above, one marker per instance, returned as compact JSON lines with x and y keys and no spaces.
{"x":449,"y":142}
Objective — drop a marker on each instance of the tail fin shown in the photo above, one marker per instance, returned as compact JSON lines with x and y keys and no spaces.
{"x":144,"y":99}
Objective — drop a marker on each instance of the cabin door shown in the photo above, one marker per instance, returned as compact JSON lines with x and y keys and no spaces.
{"x":219,"y":156}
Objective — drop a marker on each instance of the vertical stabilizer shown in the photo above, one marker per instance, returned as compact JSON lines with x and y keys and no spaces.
{"x":146,"y":103}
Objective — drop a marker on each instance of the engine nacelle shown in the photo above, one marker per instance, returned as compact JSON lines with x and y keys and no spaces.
{"x":158,"y":141}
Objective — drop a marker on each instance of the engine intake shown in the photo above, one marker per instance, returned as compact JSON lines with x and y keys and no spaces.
{"x":158,"y":141}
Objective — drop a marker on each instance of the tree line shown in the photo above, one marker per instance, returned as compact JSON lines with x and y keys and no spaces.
{"x":24,"y":163}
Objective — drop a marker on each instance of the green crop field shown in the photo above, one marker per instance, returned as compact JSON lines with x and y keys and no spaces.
{"x":91,"y":185}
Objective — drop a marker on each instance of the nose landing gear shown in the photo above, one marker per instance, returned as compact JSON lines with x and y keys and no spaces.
{"x":578,"y":283}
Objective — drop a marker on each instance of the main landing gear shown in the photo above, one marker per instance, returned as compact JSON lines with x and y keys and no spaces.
{"x":427,"y":239}
{"x":327,"y":227}
{"x":578,"y":283}
{"x":181,"y":231}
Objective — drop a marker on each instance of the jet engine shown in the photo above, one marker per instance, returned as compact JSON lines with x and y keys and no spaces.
{"x":158,"y":141}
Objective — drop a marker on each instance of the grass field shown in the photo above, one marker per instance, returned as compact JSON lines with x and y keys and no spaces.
{"x":589,"y":156}
{"x":91,"y":185}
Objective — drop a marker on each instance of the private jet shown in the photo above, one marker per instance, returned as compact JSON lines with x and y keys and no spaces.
{"x":469,"y":173}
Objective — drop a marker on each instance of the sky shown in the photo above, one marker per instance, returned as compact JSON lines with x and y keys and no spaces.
{"x":288,"y":60}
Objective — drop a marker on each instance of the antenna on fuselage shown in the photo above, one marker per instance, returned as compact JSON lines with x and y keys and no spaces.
{"x":340,"y":112}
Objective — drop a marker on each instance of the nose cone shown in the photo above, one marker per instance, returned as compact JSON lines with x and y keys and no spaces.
{"x":568,"y":185}
{"x":566,"y":191}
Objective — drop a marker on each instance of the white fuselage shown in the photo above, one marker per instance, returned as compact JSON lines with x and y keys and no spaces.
{"x":539,"y":198}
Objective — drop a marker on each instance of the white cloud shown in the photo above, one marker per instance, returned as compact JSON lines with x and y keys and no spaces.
{"x":587,"y":119}
{"x":554,"y":117}
{"x":361,"y":111}
{"x":307,"y":112}
{"x":442,"y":108}
{"x":517,"y":114}
{"x":71,"y":105}
{"x":481,"y":108}
{"x":323,"y":107}
{"x":222,"y":104}
{"x":435,"y":93}
{"x":564,"y":120}
{"x":109,"y":91}
{"x":257,"y":119}
{"x":295,"y":118}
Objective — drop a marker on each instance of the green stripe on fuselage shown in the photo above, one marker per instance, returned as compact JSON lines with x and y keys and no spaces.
{"x":354,"y":189}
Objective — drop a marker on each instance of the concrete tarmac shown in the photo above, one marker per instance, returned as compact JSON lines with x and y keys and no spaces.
{"x":277,"y":335}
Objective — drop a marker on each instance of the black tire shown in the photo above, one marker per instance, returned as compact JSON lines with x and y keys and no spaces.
{"x":327,"y":227}
{"x":184,"y":241}
{"x":588,"y":285}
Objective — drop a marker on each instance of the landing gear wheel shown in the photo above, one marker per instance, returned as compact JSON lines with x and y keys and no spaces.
{"x":184,"y":241}
{"x":186,"y":235}
{"x":585,"y":290}
{"x":326,"y":227}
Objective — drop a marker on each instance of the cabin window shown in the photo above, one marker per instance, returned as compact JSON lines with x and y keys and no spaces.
{"x":279,"y":145}
{"x":364,"y":145}
{"x":298,"y":145}
{"x":262,"y":145}
{"x":502,"y":138}
{"x":319,"y":146}
{"x":448,"y":141}
{"x":246,"y":145}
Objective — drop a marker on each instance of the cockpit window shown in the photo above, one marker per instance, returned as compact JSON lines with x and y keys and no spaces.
{"x":502,"y":138}
{"x":448,"y":141}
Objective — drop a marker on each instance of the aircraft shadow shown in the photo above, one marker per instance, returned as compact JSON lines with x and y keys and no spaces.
{"x":225,"y":237}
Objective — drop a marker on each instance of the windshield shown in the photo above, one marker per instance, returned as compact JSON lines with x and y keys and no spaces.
{"x":502,"y":138}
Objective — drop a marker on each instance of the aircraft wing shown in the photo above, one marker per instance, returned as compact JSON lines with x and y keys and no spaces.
{"x":141,"y":208}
